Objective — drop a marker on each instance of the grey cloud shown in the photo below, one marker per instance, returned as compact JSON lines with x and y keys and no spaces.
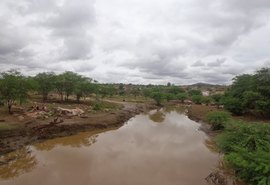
{"x":12,"y":40}
{"x":217,"y":63}
{"x":71,"y":22}
{"x":199,"y":63}
{"x":152,"y":41}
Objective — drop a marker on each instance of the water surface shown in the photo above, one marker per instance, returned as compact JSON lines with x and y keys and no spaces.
{"x":159,"y":148}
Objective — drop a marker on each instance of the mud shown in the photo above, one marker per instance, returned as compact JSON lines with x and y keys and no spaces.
{"x":35,"y":131}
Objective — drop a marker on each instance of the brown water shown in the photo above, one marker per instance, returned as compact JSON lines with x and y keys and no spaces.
{"x":159,"y":148}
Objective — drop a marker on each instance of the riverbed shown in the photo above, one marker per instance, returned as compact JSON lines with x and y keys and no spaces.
{"x":162,"y":147}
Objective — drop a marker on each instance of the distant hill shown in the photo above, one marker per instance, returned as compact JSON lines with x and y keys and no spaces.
{"x":206,"y":87}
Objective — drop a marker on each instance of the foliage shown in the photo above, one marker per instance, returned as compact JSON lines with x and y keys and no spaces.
{"x":45,"y":83}
{"x":158,"y":97}
{"x":247,"y":147}
{"x":233,"y":105}
{"x":206,"y":100}
{"x":175,"y":90}
{"x":197,"y":99}
{"x":13,"y":87}
{"x":182,"y":96}
{"x":249,"y":94}
{"x":195,"y":92}
{"x":106,"y":90}
{"x":217,"y":119}
{"x":169,"y":96}
{"x":217,"y":98}
{"x":97,"y":106}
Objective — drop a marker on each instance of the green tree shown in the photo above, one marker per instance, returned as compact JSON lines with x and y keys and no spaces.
{"x":197,"y":99}
{"x":195,"y":92}
{"x":217,"y":98}
{"x":45,"y":83}
{"x":83,"y":87}
{"x":182,"y":97}
{"x":169,"y":96}
{"x":175,"y":90}
{"x":158,"y":97}
{"x":13,"y":87}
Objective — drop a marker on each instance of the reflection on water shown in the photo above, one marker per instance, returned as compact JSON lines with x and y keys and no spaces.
{"x":80,"y":140}
{"x":140,"y":152}
{"x":157,"y":116}
{"x":17,"y":163}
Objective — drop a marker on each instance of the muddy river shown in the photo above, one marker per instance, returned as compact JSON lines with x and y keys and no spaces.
{"x":159,"y":148}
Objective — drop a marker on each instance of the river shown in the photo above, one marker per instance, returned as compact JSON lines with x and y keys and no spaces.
{"x":163,"y":147}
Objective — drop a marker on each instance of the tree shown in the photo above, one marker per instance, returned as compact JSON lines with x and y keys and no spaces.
{"x":106,"y":90}
{"x":197,"y":99}
{"x":83,"y":87}
{"x":217,"y":98}
{"x":65,"y":84}
{"x":45,"y":83}
{"x":13,"y":87}
{"x":262,"y":82}
{"x":194,"y":92}
{"x":169,"y":96}
{"x":121,"y":89}
{"x":158,"y":97}
{"x":175,"y":90}
{"x":182,"y":97}
{"x":232,"y":104}
{"x":135,"y":91}
{"x":206,"y":100}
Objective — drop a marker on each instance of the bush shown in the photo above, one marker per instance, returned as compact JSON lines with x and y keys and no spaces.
{"x":247,"y":147}
{"x":217,"y":119}
{"x":97,"y":107}
{"x":197,"y":99}
{"x":233,"y":105}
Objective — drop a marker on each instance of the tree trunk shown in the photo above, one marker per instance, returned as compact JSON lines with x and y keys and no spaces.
{"x":9,"y":108}
{"x":45,"y":97}
{"x":78,"y":98}
{"x":62,"y":98}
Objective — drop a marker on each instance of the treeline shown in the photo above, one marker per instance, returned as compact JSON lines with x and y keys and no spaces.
{"x":15,"y":87}
{"x":249,"y":93}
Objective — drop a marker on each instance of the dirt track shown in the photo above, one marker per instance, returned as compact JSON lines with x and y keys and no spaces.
{"x":38,"y":131}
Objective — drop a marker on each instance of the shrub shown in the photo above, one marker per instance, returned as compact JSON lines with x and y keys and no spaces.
{"x":197,"y":99}
{"x":247,"y":147}
{"x":97,"y":107}
{"x":217,"y":119}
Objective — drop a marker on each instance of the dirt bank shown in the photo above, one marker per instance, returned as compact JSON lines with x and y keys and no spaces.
{"x":39,"y":130}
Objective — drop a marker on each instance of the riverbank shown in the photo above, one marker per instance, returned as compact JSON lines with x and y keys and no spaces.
{"x":30,"y":131}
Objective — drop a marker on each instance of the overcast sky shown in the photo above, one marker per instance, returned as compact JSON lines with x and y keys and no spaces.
{"x":137,"y":41}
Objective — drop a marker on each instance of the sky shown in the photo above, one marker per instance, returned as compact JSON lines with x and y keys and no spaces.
{"x":136,"y":41}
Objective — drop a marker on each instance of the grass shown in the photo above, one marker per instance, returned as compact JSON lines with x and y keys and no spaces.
{"x":5,"y":126}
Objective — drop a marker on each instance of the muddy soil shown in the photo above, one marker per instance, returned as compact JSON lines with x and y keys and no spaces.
{"x":35,"y":131}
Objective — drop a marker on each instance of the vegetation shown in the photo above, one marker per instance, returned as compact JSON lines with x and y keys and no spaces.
{"x":249,"y":94}
{"x":13,"y":87}
{"x":217,"y":119}
{"x":246,"y":147}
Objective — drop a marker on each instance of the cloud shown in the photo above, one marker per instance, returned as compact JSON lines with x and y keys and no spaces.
{"x":217,"y":63}
{"x":137,"y":41}
{"x":198,"y":63}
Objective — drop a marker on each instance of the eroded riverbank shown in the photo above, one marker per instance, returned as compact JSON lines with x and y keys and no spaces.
{"x":38,"y":131}
{"x":161,"y":147}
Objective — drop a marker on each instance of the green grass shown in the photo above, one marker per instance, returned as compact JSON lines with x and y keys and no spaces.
{"x":5,"y":126}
